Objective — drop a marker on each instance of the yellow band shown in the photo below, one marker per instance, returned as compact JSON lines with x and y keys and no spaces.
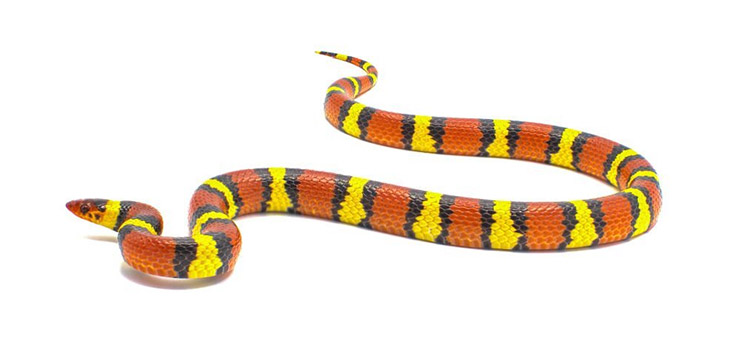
{"x":140,"y":223}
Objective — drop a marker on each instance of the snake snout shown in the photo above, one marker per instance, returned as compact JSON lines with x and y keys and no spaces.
{"x":73,"y":205}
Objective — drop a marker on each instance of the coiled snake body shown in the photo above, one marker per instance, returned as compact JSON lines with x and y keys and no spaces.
{"x":215,"y":241}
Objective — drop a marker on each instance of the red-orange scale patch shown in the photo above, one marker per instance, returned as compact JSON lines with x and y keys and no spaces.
{"x":333,"y":104}
{"x":148,"y":253}
{"x":618,"y":219}
{"x":315,"y":192}
{"x":545,"y":227}
{"x":389,"y":209}
{"x":385,"y":128}
{"x":462,"y":136}
{"x":593,"y":156}
{"x":532,"y":142}
{"x":204,"y":197}
{"x":466,"y":223}
{"x":249,"y":189}
{"x":364,"y":84}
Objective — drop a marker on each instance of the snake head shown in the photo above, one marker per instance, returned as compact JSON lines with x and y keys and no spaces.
{"x":92,"y":210}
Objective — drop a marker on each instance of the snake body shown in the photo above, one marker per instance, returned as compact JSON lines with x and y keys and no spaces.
{"x":215,"y":241}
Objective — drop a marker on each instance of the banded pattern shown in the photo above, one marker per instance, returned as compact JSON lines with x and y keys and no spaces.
{"x":503,"y":224}
{"x":215,"y":241}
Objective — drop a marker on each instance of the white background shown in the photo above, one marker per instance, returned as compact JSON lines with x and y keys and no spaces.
{"x":144,"y":100}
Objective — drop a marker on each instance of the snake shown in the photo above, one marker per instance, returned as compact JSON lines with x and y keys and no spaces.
{"x":214,"y":242}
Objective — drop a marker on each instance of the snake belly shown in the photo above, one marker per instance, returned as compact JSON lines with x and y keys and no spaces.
{"x":214,"y":242}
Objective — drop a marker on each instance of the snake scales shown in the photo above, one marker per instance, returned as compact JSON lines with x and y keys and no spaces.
{"x":214,"y":243}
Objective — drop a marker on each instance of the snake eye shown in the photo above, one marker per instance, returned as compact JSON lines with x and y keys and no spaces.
{"x":101,"y":207}
{"x":85,"y":208}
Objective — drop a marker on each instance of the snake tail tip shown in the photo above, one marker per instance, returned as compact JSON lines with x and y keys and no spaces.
{"x":327,"y":53}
